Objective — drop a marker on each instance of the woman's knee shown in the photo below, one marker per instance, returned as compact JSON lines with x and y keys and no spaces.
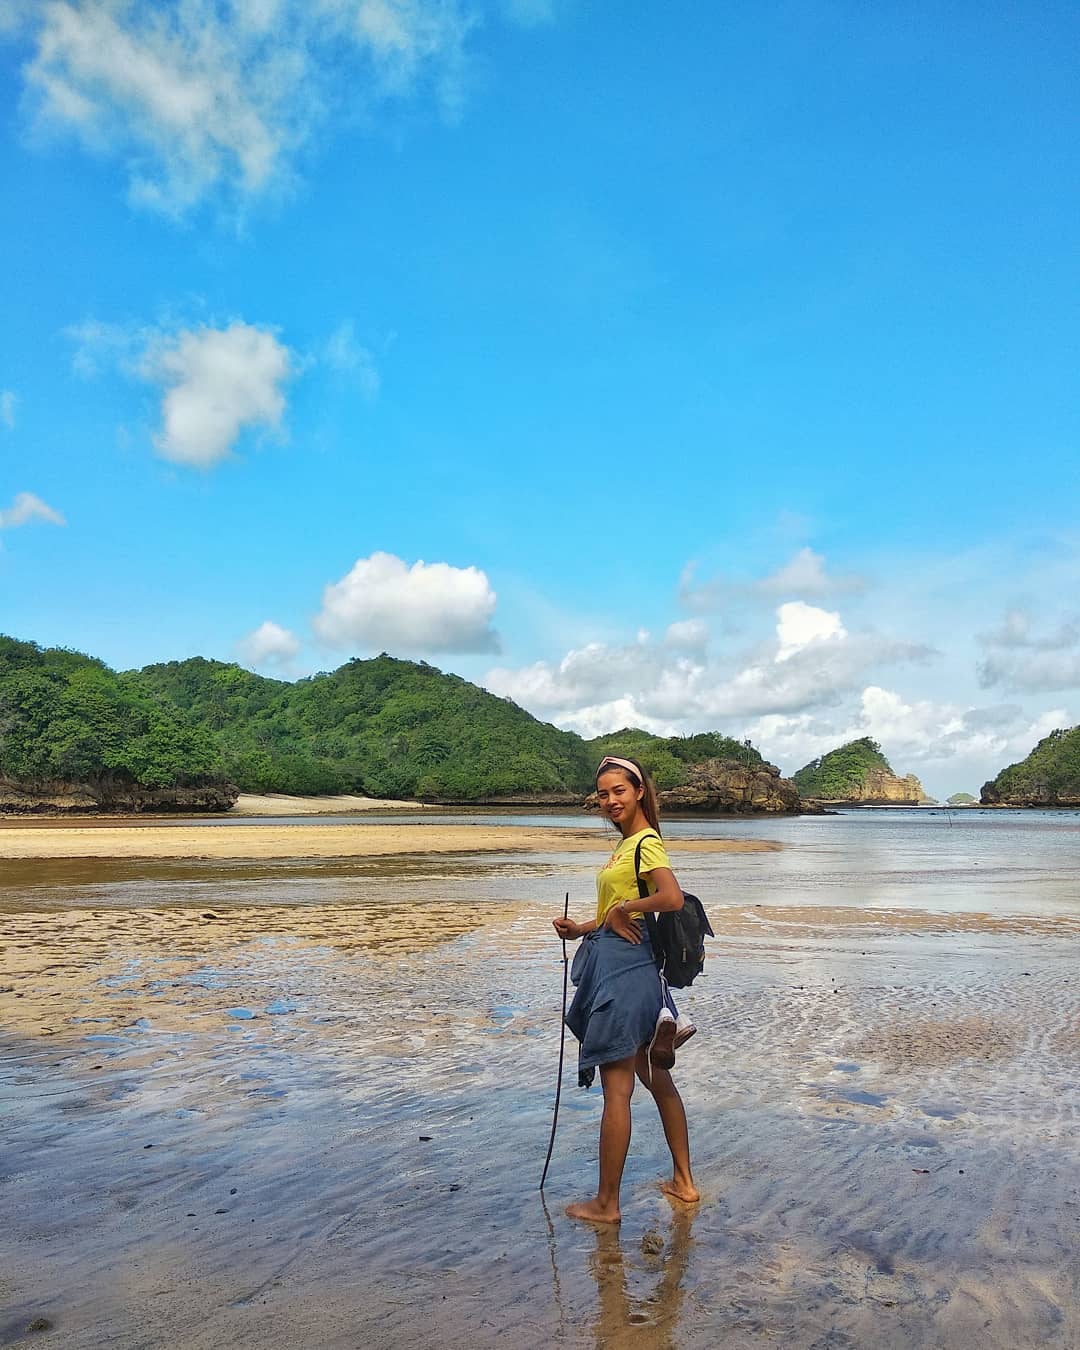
{"x":617,"y":1079}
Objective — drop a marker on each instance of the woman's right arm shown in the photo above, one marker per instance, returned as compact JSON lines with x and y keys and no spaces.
{"x":567,"y":929}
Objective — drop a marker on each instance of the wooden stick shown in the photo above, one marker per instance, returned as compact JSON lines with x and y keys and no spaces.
{"x":562,"y":1048}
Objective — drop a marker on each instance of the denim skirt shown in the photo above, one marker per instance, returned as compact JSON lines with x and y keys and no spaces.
{"x":616,"y":1001}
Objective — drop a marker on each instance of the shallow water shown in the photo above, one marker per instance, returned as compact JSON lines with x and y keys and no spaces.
{"x":994,"y":862}
{"x":318,"y":1116}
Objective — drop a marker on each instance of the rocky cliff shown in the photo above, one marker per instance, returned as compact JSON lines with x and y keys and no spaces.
{"x":726,"y":787}
{"x":857,"y":774}
{"x":59,"y":798}
{"x":881,"y":787}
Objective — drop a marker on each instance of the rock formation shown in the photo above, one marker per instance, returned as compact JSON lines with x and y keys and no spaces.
{"x":881,"y":787}
{"x":59,"y":798}
{"x":1036,"y":793}
{"x":857,"y":774}
{"x":726,"y":787}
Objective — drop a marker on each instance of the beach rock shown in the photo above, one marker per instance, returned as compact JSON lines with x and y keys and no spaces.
{"x":1034,"y":794}
{"x":880,"y":787}
{"x":108,"y":797}
{"x":724,"y":786}
{"x":727,"y":787}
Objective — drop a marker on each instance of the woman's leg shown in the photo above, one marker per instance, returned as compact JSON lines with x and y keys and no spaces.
{"x":618,"y":1083}
{"x":673,"y":1118}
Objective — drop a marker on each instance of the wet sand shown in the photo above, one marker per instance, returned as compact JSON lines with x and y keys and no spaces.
{"x":182,"y":839}
{"x":278,"y":1125}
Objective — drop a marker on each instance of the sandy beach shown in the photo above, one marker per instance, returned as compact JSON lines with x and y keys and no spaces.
{"x":232,"y":1120}
{"x":279,"y":804}
{"x":107,"y":838}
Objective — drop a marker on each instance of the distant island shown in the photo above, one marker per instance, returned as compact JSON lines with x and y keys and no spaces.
{"x":857,"y":774}
{"x":1049,"y":776}
{"x":191,"y":735}
{"x":961,"y":799}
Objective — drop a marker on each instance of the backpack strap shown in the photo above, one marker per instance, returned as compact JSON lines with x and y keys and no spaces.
{"x":643,"y":892}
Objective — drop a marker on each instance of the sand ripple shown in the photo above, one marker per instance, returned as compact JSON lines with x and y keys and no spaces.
{"x":324,"y":1126}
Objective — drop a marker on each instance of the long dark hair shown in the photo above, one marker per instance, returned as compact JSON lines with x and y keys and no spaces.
{"x":650,"y":804}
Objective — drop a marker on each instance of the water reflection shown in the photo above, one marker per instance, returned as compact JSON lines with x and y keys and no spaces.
{"x":639,"y":1297}
{"x":640,"y":1301}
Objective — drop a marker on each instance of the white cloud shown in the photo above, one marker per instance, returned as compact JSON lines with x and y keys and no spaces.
{"x":269,"y":645}
{"x":613,"y":716}
{"x":1021,"y":660}
{"x":25,"y":509}
{"x":915,"y":735}
{"x":343,"y":354}
{"x":218,"y":382}
{"x":7,"y":409}
{"x":801,"y":625}
{"x":383,"y":603}
{"x":689,"y":634}
{"x":201,"y":96}
{"x":812,"y":662}
{"x":803,"y":575}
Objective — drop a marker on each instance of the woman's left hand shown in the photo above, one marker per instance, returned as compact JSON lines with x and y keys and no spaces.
{"x":622,"y":924}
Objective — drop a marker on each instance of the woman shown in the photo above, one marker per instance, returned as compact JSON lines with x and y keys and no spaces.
{"x":619,"y":1012}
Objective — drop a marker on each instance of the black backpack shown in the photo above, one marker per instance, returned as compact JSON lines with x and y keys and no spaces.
{"x":678,"y":937}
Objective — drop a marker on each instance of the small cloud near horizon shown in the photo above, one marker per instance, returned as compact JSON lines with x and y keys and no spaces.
{"x":803,"y":576}
{"x":1022,"y":660}
{"x":26,"y":509}
{"x":269,"y":645}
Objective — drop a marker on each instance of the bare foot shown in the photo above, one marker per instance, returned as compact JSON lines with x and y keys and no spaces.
{"x":592,"y":1211}
{"x":688,"y":1193}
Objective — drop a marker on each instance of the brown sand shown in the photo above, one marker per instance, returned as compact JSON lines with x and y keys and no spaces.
{"x":278,"y":804}
{"x":323,"y":1125}
{"x":153,"y":839}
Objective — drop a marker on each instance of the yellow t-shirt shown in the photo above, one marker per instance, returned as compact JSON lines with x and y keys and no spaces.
{"x":616,"y":881}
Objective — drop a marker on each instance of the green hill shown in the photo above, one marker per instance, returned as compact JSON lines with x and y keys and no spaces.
{"x":384,"y":727}
{"x":1050,"y":776}
{"x":65,"y":717}
{"x":962,"y":799}
{"x":841,"y":772}
{"x":857,"y":772}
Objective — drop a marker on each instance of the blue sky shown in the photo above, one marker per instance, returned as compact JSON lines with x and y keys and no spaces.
{"x":687,"y":366}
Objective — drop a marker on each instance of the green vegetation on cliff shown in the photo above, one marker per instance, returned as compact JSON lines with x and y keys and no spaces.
{"x":668,"y":758}
{"x":1050,"y":776}
{"x":840,"y":774}
{"x":383,"y":727}
{"x":66,"y":717}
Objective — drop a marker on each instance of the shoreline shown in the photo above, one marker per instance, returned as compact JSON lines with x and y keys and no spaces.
{"x":153,"y":839}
